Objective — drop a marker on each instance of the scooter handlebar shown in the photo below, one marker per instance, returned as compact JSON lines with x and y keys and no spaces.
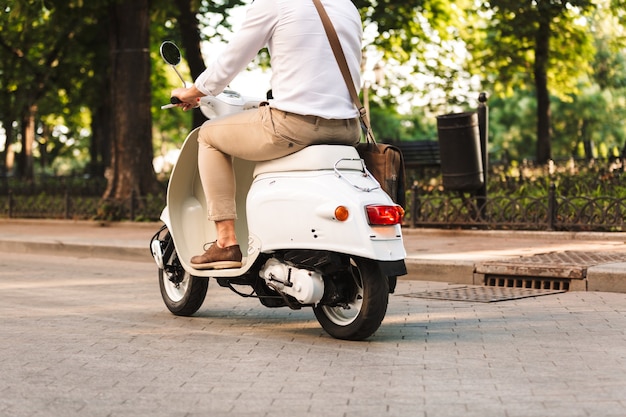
{"x":225,"y":103}
{"x":173,"y":102}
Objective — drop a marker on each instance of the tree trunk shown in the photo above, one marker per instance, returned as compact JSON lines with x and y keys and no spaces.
{"x":6,"y":157}
{"x":544,"y":133}
{"x":42,"y":145}
{"x":100,"y":145}
{"x":130,"y":171}
{"x":25,"y":162}
{"x":190,"y":35}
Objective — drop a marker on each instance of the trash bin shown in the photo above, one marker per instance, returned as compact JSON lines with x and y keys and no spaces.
{"x":460,"y":151}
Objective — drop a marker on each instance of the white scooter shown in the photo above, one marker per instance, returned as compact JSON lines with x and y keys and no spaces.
{"x":321,"y":232}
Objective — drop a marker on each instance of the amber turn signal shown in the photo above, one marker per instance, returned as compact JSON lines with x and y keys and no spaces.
{"x":342,"y":213}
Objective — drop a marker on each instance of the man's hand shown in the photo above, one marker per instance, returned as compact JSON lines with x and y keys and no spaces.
{"x":189,"y":98}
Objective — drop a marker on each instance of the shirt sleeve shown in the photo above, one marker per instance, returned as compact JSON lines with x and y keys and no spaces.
{"x":254,"y":34}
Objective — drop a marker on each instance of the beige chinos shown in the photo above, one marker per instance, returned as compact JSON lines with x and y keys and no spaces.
{"x":258,"y":135}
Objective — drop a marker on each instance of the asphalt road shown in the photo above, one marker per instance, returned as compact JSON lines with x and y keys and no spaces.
{"x":91,"y":337}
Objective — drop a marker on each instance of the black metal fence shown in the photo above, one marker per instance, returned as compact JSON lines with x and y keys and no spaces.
{"x":74,"y":207}
{"x":549,"y":212}
{"x":75,"y":199}
{"x":575,"y":204}
{"x":573,"y":196}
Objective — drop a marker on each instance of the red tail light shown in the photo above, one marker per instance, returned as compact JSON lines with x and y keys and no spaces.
{"x":384,"y":215}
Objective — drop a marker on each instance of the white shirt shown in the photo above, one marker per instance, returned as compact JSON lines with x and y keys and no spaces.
{"x":305,"y":75}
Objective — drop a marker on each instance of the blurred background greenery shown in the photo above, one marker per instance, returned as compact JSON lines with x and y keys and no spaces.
{"x":81,"y":82}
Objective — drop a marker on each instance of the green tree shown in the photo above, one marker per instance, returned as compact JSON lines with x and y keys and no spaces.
{"x":585,"y":108}
{"x":543,"y":44}
{"x":511,"y":126}
{"x":37,"y":40}
{"x":426,"y":37}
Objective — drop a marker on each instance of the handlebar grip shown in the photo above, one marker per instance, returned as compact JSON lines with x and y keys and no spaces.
{"x":175,"y":100}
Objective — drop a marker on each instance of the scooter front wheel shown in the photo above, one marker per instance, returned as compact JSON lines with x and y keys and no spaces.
{"x":366,"y":309}
{"x":182,"y":293}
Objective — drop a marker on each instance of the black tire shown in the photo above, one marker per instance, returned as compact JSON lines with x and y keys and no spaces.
{"x":367,"y":308}
{"x":182,"y":292}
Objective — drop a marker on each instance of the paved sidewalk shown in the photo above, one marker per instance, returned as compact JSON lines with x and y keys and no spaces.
{"x":90,"y":337}
{"x":432,"y":255}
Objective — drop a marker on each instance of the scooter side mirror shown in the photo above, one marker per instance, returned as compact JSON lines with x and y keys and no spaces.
{"x":170,"y":53}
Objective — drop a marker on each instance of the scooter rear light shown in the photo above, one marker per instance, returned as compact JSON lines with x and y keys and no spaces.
{"x":384,"y":215}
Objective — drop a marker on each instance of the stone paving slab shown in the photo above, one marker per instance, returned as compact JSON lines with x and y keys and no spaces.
{"x":81,"y":336}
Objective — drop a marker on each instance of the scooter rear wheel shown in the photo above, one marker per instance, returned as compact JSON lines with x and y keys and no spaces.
{"x":367,"y":308}
{"x":182,"y":293}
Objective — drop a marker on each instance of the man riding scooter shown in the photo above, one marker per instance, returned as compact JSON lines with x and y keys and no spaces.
{"x":310,"y":105}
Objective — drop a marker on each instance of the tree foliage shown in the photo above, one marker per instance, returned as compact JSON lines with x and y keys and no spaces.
{"x":548,"y":66}
{"x":539,"y":43}
{"x":571,"y":84}
{"x":49,"y":49}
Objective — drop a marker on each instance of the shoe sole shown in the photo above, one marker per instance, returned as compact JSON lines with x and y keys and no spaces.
{"x":218,"y":265}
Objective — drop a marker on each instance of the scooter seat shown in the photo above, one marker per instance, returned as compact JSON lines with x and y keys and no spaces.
{"x":314,"y":158}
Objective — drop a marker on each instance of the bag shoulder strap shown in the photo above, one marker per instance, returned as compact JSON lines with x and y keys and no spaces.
{"x":335,"y":45}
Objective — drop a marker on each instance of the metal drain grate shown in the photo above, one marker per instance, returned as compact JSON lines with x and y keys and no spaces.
{"x":527,"y":282}
{"x":548,"y":271}
{"x":481,"y":294}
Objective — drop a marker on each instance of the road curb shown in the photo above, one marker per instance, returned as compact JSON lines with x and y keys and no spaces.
{"x":457,"y":272}
{"x":77,"y":250}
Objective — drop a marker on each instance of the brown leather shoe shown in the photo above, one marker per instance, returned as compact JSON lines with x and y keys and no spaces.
{"x":218,"y":258}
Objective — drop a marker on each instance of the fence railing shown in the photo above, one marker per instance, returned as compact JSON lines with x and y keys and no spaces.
{"x":77,"y":207}
{"x":577,"y":204}
{"x":549,"y":212}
